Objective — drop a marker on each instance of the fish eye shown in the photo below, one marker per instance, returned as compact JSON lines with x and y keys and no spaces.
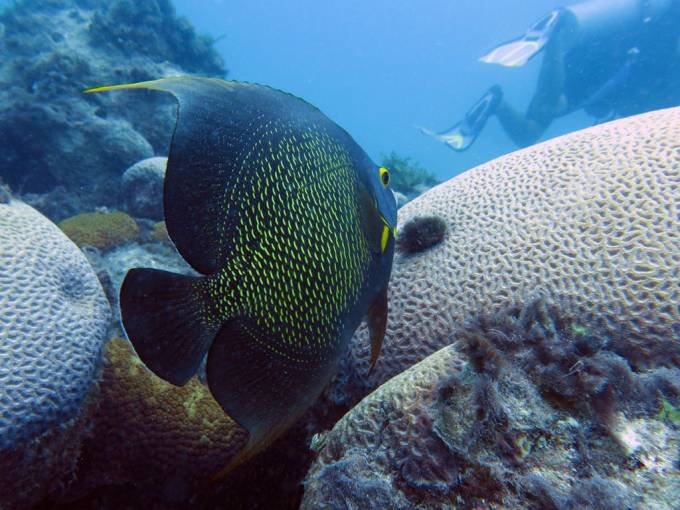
{"x":384,"y":175}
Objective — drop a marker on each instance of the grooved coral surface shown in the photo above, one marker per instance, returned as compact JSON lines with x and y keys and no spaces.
{"x":443,"y":435}
{"x":589,"y":219}
{"x":53,"y":323}
{"x":150,"y":433}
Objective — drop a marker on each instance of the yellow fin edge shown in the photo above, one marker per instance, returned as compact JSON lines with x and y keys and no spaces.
{"x":152,"y":84}
{"x":162,"y":84}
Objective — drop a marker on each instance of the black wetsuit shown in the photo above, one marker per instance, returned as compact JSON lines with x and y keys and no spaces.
{"x":608,"y":80}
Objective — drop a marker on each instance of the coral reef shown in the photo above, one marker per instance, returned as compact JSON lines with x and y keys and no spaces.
{"x":143,"y":188}
{"x":111,"y":266}
{"x":102,"y":230}
{"x":51,"y":134}
{"x":407,"y":177}
{"x":53,"y":322}
{"x":151,"y":433}
{"x":56,"y":204}
{"x":496,"y":420}
{"x":589,"y":219}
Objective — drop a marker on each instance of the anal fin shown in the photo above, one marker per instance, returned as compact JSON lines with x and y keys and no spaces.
{"x":260,"y":385}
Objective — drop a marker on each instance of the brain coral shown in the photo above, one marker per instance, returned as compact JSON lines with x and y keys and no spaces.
{"x":150,"y":433}
{"x":53,"y":323}
{"x":590,"y":220}
{"x":448,"y":433}
{"x":103,"y":230}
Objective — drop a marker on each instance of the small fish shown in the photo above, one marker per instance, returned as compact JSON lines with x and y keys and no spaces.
{"x":292,"y":227}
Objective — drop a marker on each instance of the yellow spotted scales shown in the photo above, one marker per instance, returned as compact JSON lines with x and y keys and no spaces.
{"x":300,"y":263}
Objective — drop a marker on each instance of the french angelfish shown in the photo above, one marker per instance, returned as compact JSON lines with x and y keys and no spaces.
{"x":292,"y":227}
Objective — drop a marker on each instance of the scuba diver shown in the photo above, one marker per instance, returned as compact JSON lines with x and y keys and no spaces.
{"x":612,"y":58}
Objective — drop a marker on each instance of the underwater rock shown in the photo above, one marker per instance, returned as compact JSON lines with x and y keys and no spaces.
{"x":51,"y":134}
{"x":53,"y":322}
{"x":101,"y":230}
{"x":5,"y":194}
{"x":474,"y":426}
{"x":142,"y":185}
{"x":159,"y":437}
{"x":588,"y":219}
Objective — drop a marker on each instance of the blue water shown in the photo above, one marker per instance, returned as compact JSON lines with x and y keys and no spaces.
{"x":380,"y":67}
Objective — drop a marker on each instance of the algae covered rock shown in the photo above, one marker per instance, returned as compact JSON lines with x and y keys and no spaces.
{"x":484,"y":423}
{"x":53,"y":323}
{"x":51,"y":134}
{"x":588,"y":219}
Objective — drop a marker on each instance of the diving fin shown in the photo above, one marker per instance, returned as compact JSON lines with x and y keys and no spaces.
{"x":163,"y":317}
{"x":518,"y":52}
{"x":464,"y":133}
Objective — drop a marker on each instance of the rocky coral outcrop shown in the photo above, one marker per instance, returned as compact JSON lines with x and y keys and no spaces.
{"x":142,"y":185}
{"x":53,"y":324}
{"x":51,"y":134}
{"x":588,"y":219}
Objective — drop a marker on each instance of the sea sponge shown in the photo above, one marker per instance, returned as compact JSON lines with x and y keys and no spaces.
{"x":589,"y":219}
{"x":103,"y":230}
{"x":420,"y":234}
{"x":450,"y":433}
{"x":53,"y":323}
{"x":151,"y":433}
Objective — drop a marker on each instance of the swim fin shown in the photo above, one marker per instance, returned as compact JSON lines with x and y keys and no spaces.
{"x":464,"y":133}
{"x":518,"y":52}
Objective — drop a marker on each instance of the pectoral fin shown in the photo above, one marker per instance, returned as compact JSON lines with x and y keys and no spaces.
{"x":377,"y":324}
{"x":375,"y":227}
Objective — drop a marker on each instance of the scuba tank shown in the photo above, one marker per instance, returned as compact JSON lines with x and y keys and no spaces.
{"x":602,"y":19}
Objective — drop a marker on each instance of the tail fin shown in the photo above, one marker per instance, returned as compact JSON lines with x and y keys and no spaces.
{"x":165,"y":320}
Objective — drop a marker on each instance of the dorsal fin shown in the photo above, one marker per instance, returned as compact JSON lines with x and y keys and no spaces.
{"x":218,"y":123}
